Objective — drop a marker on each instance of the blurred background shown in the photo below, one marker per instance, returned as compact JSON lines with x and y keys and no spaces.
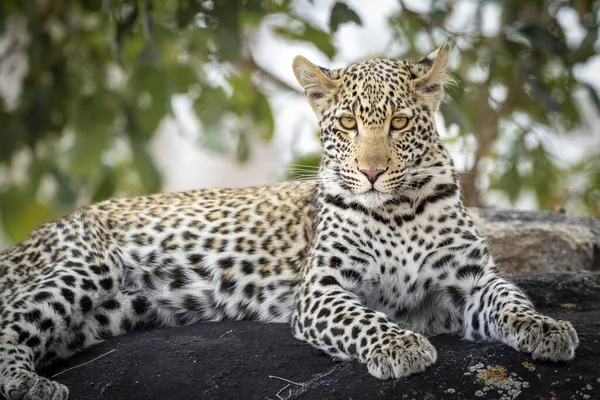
{"x":102,"y":98}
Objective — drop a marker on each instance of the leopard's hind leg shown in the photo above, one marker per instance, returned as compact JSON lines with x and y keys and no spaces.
{"x":60,"y":292}
{"x":53,"y":320}
{"x":19,"y":379}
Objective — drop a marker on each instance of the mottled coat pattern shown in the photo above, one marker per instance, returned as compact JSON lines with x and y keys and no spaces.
{"x":365,"y":261}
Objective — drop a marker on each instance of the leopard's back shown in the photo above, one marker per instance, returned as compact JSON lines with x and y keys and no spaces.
{"x":198,"y":255}
{"x":215,"y":254}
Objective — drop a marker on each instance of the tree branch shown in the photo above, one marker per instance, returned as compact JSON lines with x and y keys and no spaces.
{"x":250,"y":64}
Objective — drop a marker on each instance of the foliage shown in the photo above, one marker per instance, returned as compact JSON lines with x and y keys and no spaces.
{"x":100,"y":79}
{"x":516,"y":85}
{"x":101,"y":76}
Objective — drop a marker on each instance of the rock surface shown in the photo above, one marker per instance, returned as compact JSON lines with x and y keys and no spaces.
{"x":250,"y":360}
{"x":526,"y":242}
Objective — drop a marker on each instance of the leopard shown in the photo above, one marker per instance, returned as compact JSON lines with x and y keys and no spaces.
{"x":365,"y":262}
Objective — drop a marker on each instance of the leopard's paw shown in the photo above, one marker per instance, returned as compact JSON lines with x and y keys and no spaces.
{"x":558,"y":341}
{"x":400,"y":355}
{"x":545,"y":338}
{"x":30,"y":386}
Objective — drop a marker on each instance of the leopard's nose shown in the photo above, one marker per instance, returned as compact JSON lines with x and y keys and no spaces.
{"x":372,"y":174}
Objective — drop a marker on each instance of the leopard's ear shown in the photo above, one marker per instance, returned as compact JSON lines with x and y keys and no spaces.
{"x":317,"y":84}
{"x":431,"y":85}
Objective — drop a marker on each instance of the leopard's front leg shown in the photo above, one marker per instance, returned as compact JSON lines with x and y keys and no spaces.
{"x":334,"y":320}
{"x":497,"y":309}
{"x":513,"y":320}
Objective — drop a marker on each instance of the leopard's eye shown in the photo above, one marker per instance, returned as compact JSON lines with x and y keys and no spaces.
{"x":399,"y":123}
{"x":348,"y":123}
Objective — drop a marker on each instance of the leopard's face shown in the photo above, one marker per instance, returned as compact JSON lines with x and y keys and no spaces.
{"x":377,"y":123}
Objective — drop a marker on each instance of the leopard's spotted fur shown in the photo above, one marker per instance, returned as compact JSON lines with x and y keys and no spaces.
{"x":364,"y":261}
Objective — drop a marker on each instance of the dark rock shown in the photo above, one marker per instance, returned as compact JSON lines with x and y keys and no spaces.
{"x":250,"y":360}
{"x":561,"y":290}
{"x":526,"y":242}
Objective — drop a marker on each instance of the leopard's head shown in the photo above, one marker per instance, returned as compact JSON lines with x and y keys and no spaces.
{"x":376,"y":123}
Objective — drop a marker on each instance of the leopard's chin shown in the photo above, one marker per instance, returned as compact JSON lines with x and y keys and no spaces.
{"x":372,"y":199}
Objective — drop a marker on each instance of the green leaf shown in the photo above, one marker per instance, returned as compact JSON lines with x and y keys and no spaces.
{"x":106,"y":188}
{"x":249,"y":101}
{"x":341,"y":14}
{"x":453,"y":114}
{"x":227,"y":33}
{"x":540,"y":90}
{"x":93,"y":120}
{"x":66,"y":193}
{"x":210,"y":107}
{"x":181,"y":77}
{"x":150,"y":99}
{"x":144,"y":166}
{"x":12,"y":136}
{"x":84,"y":157}
{"x":242,"y":151}
{"x":540,"y":37}
{"x":186,"y":12}
{"x":586,"y":49}
{"x":309,"y":34}
{"x":545,"y":177}
{"x":593,"y":95}
{"x":319,"y":38}
{"x":150,"y":54}
{"x":263,"y":117}
{"x":21,"y":213}
{"x":510,"y":182}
